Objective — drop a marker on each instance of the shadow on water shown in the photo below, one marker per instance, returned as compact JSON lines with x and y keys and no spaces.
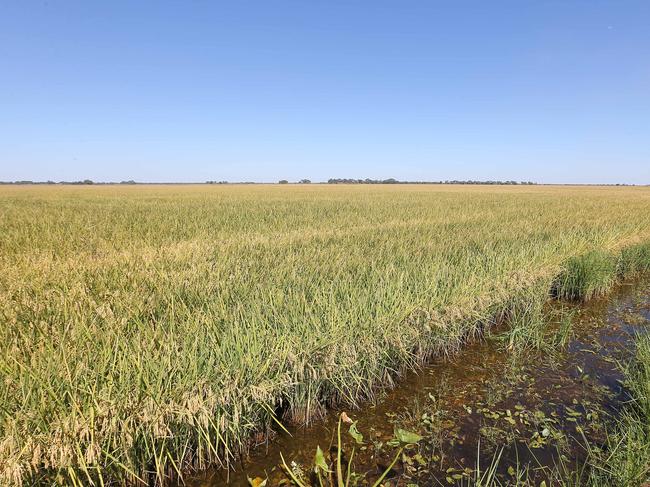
{"x":535,"y":409}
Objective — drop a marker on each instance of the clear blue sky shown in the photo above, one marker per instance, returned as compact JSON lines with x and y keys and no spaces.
{"x":551,"y":91}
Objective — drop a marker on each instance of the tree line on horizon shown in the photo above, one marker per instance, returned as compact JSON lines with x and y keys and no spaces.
{"x":395,"y":181}
{"x":85,"y":181}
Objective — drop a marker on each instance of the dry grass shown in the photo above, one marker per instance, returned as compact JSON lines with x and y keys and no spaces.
{"x":149,"y":330}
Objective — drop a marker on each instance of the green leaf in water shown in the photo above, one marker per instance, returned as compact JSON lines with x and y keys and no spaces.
{"x":319,"y":461}
{"x":408,"y":437}
{"x":355,"y":433}
{"x":420,"y":459}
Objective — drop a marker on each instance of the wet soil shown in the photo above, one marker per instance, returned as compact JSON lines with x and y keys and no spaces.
{"x":536,"y":411}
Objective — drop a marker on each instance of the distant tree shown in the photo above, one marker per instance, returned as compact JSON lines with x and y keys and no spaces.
{"x":305,"y":181}
{"x":85,"y":181}
{"x":283,"y":181}
{"x":130,"y":181}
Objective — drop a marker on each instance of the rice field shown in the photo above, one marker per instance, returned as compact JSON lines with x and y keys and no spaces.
{"x":148,"y":331}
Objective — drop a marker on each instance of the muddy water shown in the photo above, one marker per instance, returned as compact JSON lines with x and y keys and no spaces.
{"x":534,"y":410}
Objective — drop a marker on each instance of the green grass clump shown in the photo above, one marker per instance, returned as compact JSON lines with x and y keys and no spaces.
{"x":526,"y":319}
{"x":146,"y":331}
{"x":586,"y":276}
{"x":634,"y":260}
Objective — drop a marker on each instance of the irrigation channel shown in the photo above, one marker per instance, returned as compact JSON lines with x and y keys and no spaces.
{"x":537,"y":411}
